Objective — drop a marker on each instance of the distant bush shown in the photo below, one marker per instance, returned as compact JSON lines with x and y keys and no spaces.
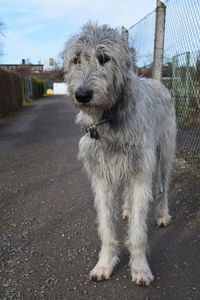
{"x":37,"y":88}
{"x":41,"y":87}
{"x":11,"y":92}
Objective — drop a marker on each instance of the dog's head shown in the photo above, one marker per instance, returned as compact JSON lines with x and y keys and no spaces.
{"x":96,"y":64}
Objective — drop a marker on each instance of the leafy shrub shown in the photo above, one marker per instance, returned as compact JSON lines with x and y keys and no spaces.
{"x":37,"y":88}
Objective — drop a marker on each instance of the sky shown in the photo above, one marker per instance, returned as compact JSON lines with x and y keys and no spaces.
{"x":39,"y":29}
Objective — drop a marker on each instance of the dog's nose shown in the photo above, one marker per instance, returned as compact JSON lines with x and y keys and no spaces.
{"x":83,"y":95}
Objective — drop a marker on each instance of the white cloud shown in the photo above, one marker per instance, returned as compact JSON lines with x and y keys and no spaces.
{"x":34,"y":24}
{"x":113,"y":12}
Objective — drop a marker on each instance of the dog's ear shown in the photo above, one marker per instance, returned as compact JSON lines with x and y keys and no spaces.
{"x":66,"y":57}
{"x":69,"y":53}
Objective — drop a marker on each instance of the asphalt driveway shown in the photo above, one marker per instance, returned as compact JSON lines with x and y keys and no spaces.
{"x":48,"y":236}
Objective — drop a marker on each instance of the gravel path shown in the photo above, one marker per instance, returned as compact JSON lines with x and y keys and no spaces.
{"x":48,"y":237}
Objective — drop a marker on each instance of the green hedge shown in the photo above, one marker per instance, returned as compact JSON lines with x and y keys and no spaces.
{"x":11,"y":93}
{"x":38,"y":88}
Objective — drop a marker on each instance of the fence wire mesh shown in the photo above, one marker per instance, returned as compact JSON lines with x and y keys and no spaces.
{"x":181,"y":64}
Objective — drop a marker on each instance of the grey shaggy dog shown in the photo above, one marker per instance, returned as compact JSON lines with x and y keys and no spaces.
{"x":130,"y":139}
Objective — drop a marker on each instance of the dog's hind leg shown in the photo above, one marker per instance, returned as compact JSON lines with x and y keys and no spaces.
{"x":165,"y":158}
{"x":137,"y":240}
{"x":104,"y":197}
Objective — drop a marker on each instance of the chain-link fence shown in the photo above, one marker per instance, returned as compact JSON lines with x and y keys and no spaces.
{"x":181,"y":64}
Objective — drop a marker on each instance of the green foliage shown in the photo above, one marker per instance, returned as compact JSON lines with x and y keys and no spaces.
{"x":37,"y":88}
{"x":41,"y":88}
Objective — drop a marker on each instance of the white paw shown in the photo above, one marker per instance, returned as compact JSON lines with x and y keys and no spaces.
{"x":125,"y":213}
{"x":100,"y":273}
{"x":141,"y":273}
{"x":164,"y":221}
{"x":142,"y":278}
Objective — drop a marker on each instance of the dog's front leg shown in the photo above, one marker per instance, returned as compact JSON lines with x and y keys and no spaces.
{"x":140,"y":271}
{"x":104,"y":197}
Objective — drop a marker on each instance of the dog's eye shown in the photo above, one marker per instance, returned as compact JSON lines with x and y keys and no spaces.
{"x":103,"y":59}
{"x":76,"y":60}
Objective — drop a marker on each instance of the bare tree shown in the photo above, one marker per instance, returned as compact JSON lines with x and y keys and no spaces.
{"x":1,"y":38}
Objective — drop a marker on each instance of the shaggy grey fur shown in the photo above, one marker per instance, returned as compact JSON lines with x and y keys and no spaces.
{"x":142,"y":128}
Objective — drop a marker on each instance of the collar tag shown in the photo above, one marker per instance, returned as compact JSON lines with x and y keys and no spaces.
{"x":93,"y":132}
{"x":92,"y":129}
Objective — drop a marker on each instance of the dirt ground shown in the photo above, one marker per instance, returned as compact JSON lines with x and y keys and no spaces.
{"x":48,"y":233}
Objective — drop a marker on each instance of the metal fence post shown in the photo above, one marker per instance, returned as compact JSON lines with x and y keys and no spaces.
{"x":187,"y":81}
{"x":124,"y":32}
{"x":30,"y":87}
{"x":159,"y":40}
{"x":174,"y":66}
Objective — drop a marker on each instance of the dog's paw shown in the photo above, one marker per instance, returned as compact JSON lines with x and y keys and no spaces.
{"x":125,"y":213}
{"x":142,"y":278}
{"x":141,"y":272}
{"x":100,"y":273}
{"x":164,"y":220}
